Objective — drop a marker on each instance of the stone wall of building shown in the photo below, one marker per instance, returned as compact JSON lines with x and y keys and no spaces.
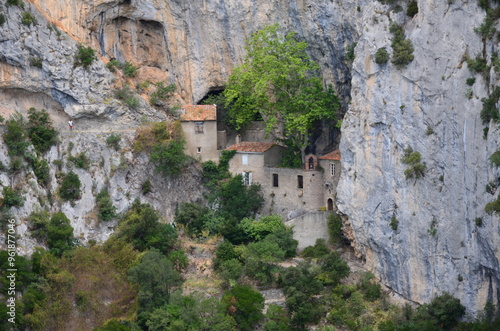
{"x":310,"y":227}
{"x":206,"y":141}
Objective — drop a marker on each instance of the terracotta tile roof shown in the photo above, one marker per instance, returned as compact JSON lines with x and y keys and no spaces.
{"x":335,"y":156}
{"x":199,"y":113}
{"x":251,"y":147}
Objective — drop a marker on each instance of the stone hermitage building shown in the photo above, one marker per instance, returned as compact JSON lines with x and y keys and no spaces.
{"x":287,"y":192}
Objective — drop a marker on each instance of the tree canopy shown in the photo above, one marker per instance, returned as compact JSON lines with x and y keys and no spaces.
{"x":281,"y":83}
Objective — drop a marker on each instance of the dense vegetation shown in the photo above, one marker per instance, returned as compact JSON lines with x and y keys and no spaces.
{"x":278,"y":80}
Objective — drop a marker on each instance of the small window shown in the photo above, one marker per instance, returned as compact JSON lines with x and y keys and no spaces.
{"x":300,"y":181}
{"x":198,"y":150}
{"x":198,"y":127}
{"x":275,"y":180}
{"x":244,"y":159}
{"x":332,"y":169}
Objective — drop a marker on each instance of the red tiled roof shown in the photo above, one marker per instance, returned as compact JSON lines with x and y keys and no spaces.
{"x":252,"y":147}
{"x":335,"y":156}
{"x":199,"y":113}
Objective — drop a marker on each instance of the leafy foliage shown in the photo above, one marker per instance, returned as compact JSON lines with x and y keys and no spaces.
{"x":39,"y":222}
{"x":318,"y":250}
{"x":80,"y":161}
{"x":40,"y":130}
{"x":59,"y":234}
{"x":279,"y":81}
{"x":169,"y":157}
{"x":402,"y":48}
{"x":28,"y":19}
{"x":146,"y":187}
{"x":106,"y":209}
{"x":412,"y":9}
{"x":15,"y":136}
{"x":162,"y":93}
{"x":193,"y":216}
{"x":11,"y":198}
{"x":236,"y":200}
{"x":156,"y":277}
{"x":245,"y":305}
{"x":495,"y":158}
{"x":113,"y":141}
{"x":490,"y":110}
{"x":129,"y":69}
{"x":493,"y":207}
{"x":41,"y":169}
{"x":84,"y":56}
{"x":415,"y":168}
{"x":127,"y":95}
{"x":141,"y":227}
{"x":70,"y":187}
{"x":382,"y":56}
{"x":478,"y":64}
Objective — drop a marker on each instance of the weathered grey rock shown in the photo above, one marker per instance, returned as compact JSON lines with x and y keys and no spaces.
{"x":393,"y":108}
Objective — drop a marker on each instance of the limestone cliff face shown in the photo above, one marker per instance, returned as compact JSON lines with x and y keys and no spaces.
{"x":426,"y":105}
{"x":195,"y":44}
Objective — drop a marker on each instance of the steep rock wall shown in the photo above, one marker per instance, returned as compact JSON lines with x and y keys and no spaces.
{"x":437,"y":245}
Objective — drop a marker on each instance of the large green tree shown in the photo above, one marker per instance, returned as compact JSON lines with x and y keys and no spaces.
{"x":280,"y":82}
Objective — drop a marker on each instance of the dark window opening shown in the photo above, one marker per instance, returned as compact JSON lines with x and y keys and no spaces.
{"x":311,"y":163}
{"x":300,"y":181}
{"x":275,"y":180}
{"x":330,"y":204}
{"x":198,"y":127}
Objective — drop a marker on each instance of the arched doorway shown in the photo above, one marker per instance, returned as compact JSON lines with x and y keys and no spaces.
{"x":311,"y":163}
{"x":330,"y":204}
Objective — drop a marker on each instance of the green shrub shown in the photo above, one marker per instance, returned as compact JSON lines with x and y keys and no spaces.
{"x":113,"y":141}
{"x":402,"y":47}
{"x":335,"y":230}
{"x":415,"y":168}
{"x":41,"y":169}
{"x":155,"y":276}
{"x":258,"y":229}
{"x":141,"y":227}
{"x":169,"y":157}
{"x":284,"y":238}
{"x":478,"y":64}
{"x":382,"y":56}
{"x":489,"y":111}
{"x":334,"y":269}
{"x":495,"y":158}
{"x":38,"y":224}
{"x":470,"y":81}
{"x":146,"y":187}
{"x":245,"y":305}
{"x":371,"y":291}
{"x":70,"y":187}
{"x":224,"y":252}
{"x":318,"y":250}
{"x":193,"y":216}
{"x":179,"y":259}
{"x":231,"y":270}
{"x":478,"y":221}
{"x":444,"y":311}
{"x":11,"y":198}
{"x":18,"y":3}
{"x":15,"y":136}
{"x":129,"y":69}
{"x":394,"y":223}
{"x":113,"y":64}
{"x":84,"y":56}
{"x":16,"y":164}
{"x":162,"y":93}
{"x":412,"y":9}
{"x":36,"y":62}
{"x":59,"y":234}
{"x":28,"y":19}
{"x":349,"y":52}
{"x":125,"y":93}
{"x":80,"y":161}
{"x":106,"y":209}
{"x":493,"y":207}
{"x":40,"y":130}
